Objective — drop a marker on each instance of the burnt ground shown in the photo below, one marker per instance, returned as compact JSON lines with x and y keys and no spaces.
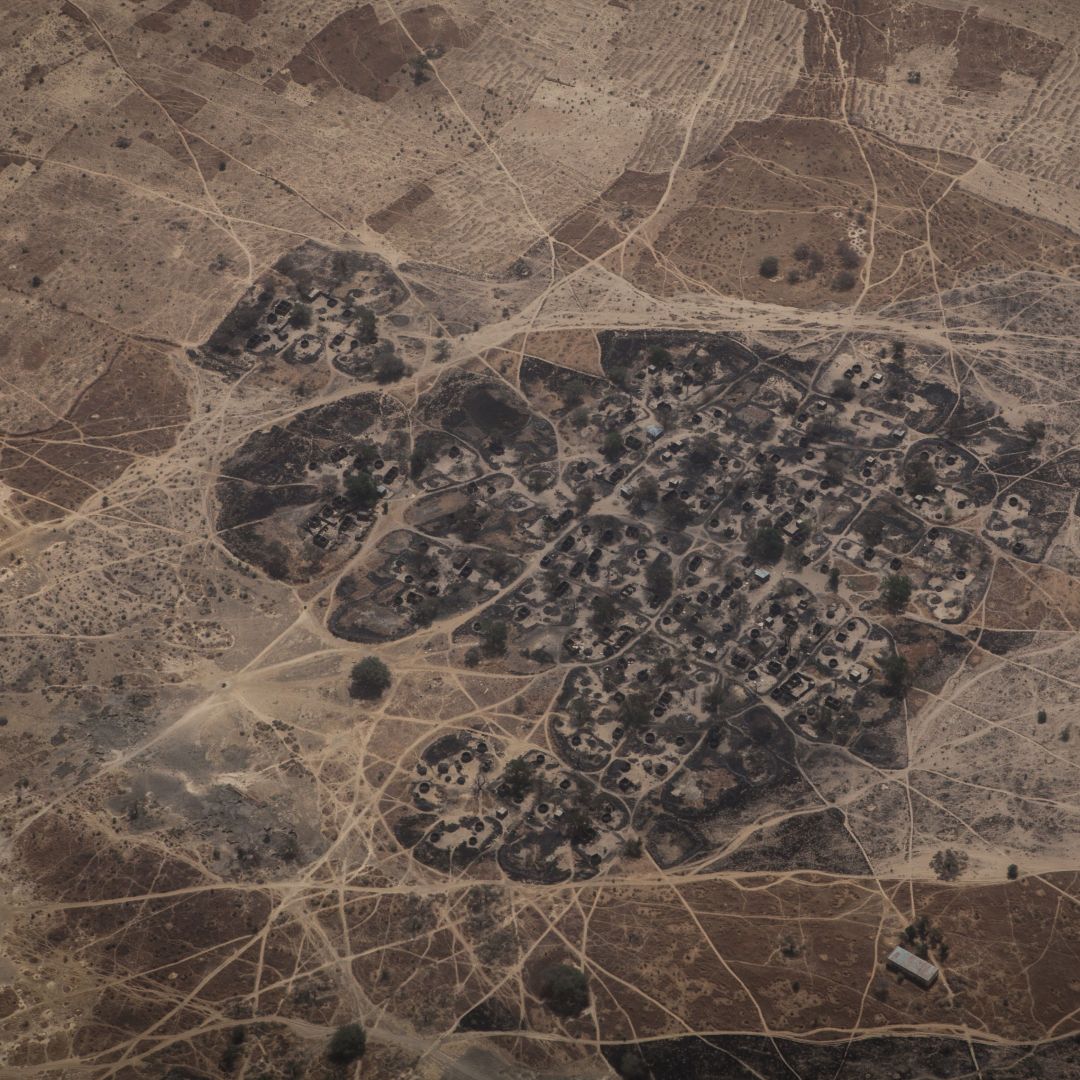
{"x":679,"y":400}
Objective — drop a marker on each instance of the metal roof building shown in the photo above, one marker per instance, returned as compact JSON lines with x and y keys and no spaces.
{"x":914,"y":967}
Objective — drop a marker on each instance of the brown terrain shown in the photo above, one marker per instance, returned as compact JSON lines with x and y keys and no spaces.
{"x":539,"y":540}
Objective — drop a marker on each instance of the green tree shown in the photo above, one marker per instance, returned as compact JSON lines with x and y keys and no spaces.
{"x":300,"y":316}
{"x":635,"y":711}
{"x":612,"y":446}
{"x":576,"y":826}
{"x":604,"y":612}
{"x":518,"y":777}
{"x":658,"y":577}
{"x":716,"y":697}
{"x":871,"y":527}
{"x":896,"y":592}
{"x":365,"y":326}
{"x":895,"y":670}
{"x":583,"y":499}
{"x":920,"y":477}
{"x":362,"y":489}
{"x":565,"y":990}
{"x":1013,"y":872}
{"x":834,"y":579}
{"x":766,"y":544}
{"x":425,"y":611}
{"x":388,"y":368}
{"x":843,"y":390}
{"x":370,"y":678}
{"x":703,"y":454}
{"x":493,"y":637}
{"x":346,"y":1045}
{"x":769,"y":267}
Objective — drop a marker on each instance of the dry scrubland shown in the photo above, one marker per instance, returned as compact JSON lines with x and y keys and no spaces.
{"x":677,"y":399}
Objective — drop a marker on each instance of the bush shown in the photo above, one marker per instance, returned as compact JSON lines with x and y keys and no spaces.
{"x":948,"y":864}
{"x":564,"y":989}
{"x":850,"y":259}
{"x":766,"y":544}
{"x":896,"y":592}
{"x":844,"y":281}
{"x":769,"y":267}
{"x":370,"y":678}
{"x":388,"y":368}
{"x":346,"y":1045}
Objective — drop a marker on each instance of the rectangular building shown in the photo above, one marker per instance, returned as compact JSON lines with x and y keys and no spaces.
{"x":914,"y":967}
